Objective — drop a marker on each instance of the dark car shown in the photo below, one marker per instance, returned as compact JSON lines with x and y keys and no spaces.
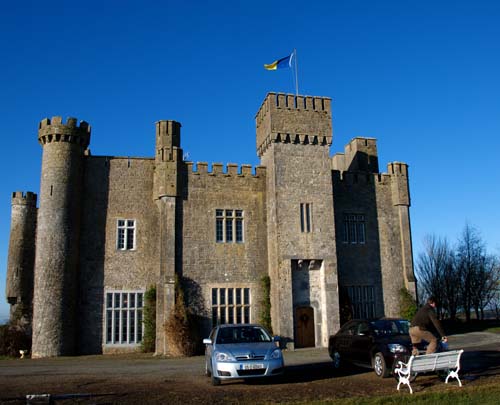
{"x":374,"y":344}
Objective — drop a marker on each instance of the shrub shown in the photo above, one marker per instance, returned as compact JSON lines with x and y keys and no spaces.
{"x":149,"y":318}
{"x":14,"y":338}
{"x":407,"y":304}
{"x":181,"y":328}
{"x":265,"y":318}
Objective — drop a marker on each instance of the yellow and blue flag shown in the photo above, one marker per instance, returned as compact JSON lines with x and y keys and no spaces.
{"x":282,"y":63}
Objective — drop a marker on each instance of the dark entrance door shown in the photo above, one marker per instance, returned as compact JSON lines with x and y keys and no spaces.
{"x":304,"y":336}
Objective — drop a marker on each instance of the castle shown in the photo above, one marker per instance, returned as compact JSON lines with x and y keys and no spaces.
{"x":326,"y":231}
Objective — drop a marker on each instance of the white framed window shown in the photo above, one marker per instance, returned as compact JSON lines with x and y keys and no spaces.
{"x":305,"y":217}
{"x":362,"y":300}
{"x":123,"y":317}
{"x":230,"y":305}
{"x":125,"y":234}
{"x":229,"y":226}
{"x":354,"y":229}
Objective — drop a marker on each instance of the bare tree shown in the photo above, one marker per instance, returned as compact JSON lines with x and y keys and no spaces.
{"x":485,"y":284}
{"x":478,"y":272}
{"x":494,"y":304}
{"x":451,"y":284}
{"x":435,"y":272}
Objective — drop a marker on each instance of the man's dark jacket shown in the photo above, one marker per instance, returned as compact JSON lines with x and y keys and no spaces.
{"x":426,"y":319}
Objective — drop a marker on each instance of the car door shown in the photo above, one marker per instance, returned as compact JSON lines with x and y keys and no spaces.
{"x":362,"y":342}
{"x":343,"y":340}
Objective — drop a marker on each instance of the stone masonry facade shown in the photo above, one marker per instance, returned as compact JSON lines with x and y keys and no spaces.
{"x":330,"y":232}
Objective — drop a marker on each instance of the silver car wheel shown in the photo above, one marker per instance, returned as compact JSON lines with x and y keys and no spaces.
{"x":379,"y":366}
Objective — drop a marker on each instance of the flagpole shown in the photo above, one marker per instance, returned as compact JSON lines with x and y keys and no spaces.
{"x":296,"y":74}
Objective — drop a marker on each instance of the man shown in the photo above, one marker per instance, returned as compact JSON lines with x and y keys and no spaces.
{"x":422,"y":324}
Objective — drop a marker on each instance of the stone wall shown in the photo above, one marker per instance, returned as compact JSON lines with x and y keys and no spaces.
{"x":115,"y":188}
{"x":208,"y":264}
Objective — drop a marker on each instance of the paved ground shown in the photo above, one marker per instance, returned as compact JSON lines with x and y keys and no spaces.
{"x":145,"y":379}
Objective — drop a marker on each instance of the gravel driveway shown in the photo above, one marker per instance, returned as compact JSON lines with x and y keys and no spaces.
{"x":139,"y":378}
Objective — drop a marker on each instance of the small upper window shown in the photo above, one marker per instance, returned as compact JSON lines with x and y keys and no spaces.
{"x":229,"y":226}
{"x":125,"y":234}
{"x":354,"y":229}
{"x":305,"y":217}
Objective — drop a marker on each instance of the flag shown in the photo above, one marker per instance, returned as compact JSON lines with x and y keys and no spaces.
{"x":282,"y":63}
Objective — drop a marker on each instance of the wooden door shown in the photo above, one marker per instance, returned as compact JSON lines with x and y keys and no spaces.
{"x":304,"y":336}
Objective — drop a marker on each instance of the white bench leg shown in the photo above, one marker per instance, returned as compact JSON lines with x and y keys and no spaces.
{"x":453,"y":374}
{"x":406,"y":381}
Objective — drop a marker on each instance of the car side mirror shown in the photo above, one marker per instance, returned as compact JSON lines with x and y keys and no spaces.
{"x":207,"y":341}
{"x":276,"y":339}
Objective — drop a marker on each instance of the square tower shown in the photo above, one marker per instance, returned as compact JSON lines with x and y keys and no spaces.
{"x":294,"y":134}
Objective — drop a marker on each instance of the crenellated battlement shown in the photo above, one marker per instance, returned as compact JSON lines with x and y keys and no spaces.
{"x":21,"y":198}
{"x":397,"y":168}
{"x":351,"y":178}
{"x":294,"y":119}
{"x":360,"y":154}
{"x":168,"y":133}
{"x":54,"y":130}
{"x":229,"y":170}
{"x":274,"y":101}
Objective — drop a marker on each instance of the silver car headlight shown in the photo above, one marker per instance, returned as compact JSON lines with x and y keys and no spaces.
{"x":221,"y":356}
{"x":396,"y":348}
{"x":276,"y":354}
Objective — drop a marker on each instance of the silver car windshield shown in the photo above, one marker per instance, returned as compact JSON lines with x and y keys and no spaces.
{"x":242,"y":334}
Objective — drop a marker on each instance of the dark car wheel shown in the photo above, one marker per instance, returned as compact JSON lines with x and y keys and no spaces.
{"x":396,"y":365}
{"x":379,"y":366}
{"x":443,"y":374}
{"x":215,"y":380}
{"x":337,"y":363}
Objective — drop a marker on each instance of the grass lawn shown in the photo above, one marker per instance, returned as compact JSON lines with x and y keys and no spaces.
{"x":484,"y":394}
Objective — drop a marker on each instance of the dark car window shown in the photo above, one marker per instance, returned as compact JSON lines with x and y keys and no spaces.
{"x":385,"y":327}
{"x":363,"y":329}
{"x":349,"y":328}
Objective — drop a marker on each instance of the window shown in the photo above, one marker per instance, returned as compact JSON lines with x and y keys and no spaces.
{"x":230,"y":305}
{"x":354,"y":229}
{"x":125,"y":234}
{"x":228,"y":226}
{"x":124,"y":317}
{"x":362,"y":301}
{"x":305,"y":217}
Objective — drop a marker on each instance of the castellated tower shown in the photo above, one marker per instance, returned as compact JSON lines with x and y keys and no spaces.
{"x":401,"y":200}
{"x":294,"y":134}
{"x":19,"y":287}
{"x":166,"y":188}
{"x":55,"y":298}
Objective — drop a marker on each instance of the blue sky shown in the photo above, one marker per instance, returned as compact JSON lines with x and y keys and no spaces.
{"x":420,"y":76}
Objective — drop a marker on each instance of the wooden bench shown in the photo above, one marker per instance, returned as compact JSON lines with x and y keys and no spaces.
{"x":447,"y":361}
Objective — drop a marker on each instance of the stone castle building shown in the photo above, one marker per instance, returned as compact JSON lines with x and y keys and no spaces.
{"x":108,"y":228}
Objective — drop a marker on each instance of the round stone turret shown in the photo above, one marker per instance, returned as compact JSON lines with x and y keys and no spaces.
{"x":56,"y":262}
{"x":53,"y":130}
{"x":21,"y":260}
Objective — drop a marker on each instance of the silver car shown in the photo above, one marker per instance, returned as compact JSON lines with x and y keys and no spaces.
{"x":241,"y":351}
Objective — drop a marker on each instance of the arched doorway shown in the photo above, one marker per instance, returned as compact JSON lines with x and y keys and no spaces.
{"x":304,"y":330}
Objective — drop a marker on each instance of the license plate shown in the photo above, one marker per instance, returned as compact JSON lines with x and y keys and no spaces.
{"x":251,"y":366}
